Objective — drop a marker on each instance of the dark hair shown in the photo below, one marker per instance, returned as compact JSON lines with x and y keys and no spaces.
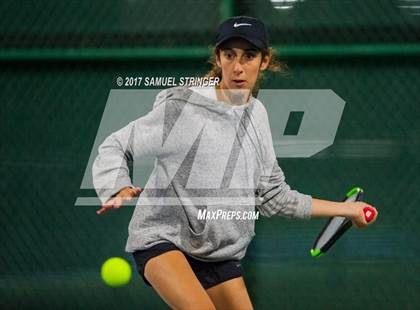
{"x":273,"y":66}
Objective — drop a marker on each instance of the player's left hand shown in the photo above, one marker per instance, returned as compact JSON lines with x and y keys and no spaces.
{"x":358,"y":219}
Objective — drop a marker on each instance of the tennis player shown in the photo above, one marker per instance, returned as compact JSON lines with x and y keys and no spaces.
{"x":215,"y":167}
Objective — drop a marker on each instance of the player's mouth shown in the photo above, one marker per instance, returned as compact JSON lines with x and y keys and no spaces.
{"x":239,"y":83}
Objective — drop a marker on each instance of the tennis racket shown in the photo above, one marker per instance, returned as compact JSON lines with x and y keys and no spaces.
{"x":338,"y":225}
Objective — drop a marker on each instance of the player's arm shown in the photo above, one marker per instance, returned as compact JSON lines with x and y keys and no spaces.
{"x":275,"y":197}
{"x":110,"y":170}
{"x":352,"y":210}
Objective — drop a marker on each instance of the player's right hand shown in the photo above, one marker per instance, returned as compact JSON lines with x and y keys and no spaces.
{"x":124,"y":195}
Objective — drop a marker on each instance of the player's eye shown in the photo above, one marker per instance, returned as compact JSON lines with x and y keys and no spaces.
{"x":250,"y":56}
{"x":229,"y":55}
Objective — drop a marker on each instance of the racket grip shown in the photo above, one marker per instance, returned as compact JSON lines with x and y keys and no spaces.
{"x":369,"y":214}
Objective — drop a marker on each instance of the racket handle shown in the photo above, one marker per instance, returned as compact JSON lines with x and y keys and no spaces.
{"x":369,"y":213}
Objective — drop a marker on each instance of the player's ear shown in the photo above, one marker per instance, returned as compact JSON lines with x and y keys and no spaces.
{"x":265,"y":61}
{"x":218,"y":62}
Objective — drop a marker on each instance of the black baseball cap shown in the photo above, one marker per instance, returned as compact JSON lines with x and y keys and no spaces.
{"x":249,"y":28}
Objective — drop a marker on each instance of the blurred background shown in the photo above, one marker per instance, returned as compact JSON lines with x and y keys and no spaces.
{"x":59,"y":61}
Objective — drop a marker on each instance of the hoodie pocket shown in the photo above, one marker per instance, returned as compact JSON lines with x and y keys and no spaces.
{"x":222,"y":226}
{"x":193,"y":219}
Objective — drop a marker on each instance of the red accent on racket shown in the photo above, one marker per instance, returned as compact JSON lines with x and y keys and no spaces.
{"x":369,"y":213}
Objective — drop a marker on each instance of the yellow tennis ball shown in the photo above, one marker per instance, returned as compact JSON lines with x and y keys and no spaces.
{"x":116,"y":272}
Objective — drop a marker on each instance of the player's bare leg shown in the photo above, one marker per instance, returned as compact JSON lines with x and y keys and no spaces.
{"x":231,"y":294}
{"x":173,"y":279}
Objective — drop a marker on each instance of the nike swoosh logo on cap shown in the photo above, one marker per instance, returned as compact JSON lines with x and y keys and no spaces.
{"x":236,"y":25}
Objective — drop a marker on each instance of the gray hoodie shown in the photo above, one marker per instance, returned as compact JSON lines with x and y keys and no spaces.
{"x":209,"y":156}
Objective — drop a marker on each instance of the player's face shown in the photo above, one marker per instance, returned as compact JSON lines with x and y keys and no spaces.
{"x":241,"y":63}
